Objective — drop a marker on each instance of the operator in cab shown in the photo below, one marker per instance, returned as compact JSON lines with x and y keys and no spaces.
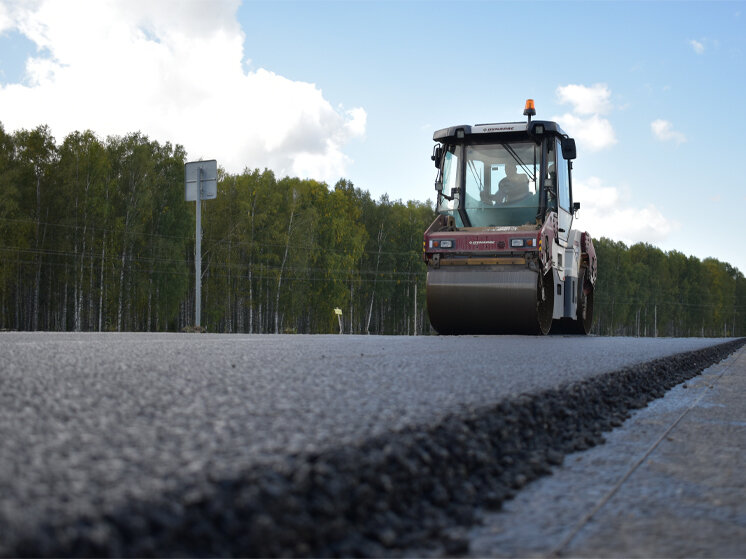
{"x":513,"y":187}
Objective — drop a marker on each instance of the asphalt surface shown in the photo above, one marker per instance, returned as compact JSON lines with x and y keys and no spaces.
{"x":107,"y":437}
{"x":670,"y":482}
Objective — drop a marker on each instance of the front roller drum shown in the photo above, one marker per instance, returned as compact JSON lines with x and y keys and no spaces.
{"x":489,"y":300}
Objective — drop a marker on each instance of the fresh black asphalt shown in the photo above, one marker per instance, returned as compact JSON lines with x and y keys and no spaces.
{"x":138,"y":445}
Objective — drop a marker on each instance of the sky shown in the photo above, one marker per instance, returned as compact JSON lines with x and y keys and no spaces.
{"x":653,"y":93}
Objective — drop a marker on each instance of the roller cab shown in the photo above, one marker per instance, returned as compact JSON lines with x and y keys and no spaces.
{"x":502,"y":256}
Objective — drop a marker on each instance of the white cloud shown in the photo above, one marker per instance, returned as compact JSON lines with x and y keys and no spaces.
{"x":664,"y":132}
{"x":605,"y":212}
{"x":585,"y":122}
{"x":5,"y":21}
{"x":594,"y":133}
{"x":174,"y":71}
{"x":697,"y":46}
{"x":586,"y":100}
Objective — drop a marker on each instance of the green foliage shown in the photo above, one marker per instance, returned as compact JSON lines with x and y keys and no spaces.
{"x":96,"y":235}
{"x":93,"y":232}
{"x":643,"y":291}
{"x":283,"y":254}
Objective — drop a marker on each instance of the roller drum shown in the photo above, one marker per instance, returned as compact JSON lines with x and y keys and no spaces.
{"x":483,"y":300}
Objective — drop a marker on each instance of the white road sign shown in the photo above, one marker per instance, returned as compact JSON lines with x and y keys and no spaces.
{"x":208,"y":180}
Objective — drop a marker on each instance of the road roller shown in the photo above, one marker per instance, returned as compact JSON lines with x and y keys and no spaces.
{"x":502,"y":256}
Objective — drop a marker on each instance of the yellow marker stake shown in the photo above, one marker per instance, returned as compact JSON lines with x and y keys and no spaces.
{"x":338,"y":312}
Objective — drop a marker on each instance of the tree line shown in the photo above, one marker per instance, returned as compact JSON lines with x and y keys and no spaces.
{"x":644,"y":291}
{"x":95,"y":235}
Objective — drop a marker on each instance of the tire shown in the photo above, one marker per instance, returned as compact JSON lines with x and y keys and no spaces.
{"x":544,"y":303}
{"x":584,"y":313}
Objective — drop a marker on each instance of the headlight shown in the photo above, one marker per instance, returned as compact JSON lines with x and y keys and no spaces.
{"x":519,"y":243}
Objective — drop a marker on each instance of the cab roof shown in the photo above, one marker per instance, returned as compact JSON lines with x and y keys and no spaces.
{"x":502,"y":130}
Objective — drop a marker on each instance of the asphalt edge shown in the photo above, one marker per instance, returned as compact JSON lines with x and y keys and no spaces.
{"x":385,"y":496}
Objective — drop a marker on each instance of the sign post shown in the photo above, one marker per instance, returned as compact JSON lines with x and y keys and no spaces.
{"x":200,"y":183}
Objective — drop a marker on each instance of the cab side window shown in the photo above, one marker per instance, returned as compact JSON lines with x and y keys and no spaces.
{"x":563,"y":179}
{"x":551,"y":175}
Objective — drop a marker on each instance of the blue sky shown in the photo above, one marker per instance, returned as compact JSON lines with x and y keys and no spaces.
{"x":652,"y":91}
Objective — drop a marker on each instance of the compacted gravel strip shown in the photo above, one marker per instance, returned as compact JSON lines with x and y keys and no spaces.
{"x":388,"y":494}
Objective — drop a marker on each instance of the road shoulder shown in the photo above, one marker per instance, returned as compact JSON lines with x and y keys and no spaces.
{"x":669,"y":482}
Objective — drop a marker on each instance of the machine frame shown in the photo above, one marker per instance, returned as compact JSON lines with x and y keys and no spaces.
{"x":519,"y":278}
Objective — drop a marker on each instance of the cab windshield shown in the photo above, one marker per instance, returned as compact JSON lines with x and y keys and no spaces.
{"x":498,"y":183}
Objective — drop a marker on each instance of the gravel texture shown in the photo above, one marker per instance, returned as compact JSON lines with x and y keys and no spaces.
{"x":297,"y":446}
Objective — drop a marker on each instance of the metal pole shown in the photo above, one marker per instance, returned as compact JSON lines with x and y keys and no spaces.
{"x":198,"y":256}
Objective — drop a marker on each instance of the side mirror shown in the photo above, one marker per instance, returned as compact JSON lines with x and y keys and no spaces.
{"x":437,"y":156}
{"x":568,"y":148}
{"x":439,"y":185}
{"x":575,"y":207}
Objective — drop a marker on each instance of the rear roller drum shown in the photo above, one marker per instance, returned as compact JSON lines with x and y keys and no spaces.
{"x":584,"y":313}
{"x":582,"y":322}
{"x":545,"y":303}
